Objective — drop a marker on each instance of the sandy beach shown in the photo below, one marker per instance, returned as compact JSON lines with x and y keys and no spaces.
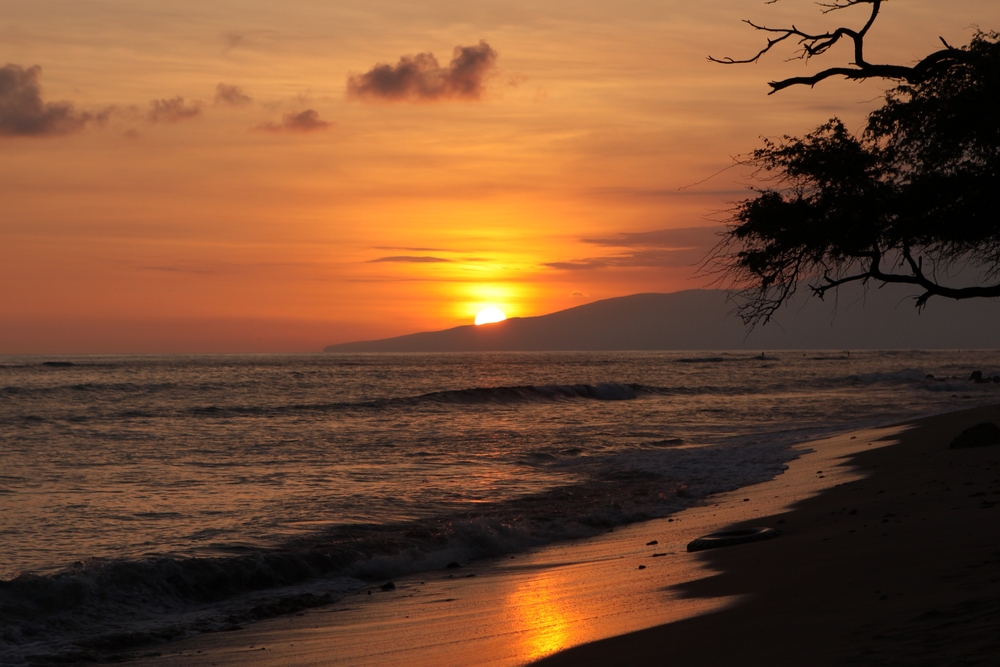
{"x":899,"y":567}
{"x":890,"y":554}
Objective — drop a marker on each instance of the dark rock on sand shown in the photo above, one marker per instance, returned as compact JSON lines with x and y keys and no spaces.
{"x":388,"y":586}
{"x":980,"y":435}
{"x":732,"y":537}
{"x":649,"y":544}
{"x":57,"y":364}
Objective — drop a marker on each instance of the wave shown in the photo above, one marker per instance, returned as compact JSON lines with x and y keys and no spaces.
{"x":907,"y":375}
{"x":915,"y":376}
{"x":724,"y":359}
{"x":99,"y":606}
{"x":130,"y":388}
{"x":604,"y":391}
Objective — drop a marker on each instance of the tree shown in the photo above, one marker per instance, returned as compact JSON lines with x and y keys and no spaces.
{"x":911,"y":199}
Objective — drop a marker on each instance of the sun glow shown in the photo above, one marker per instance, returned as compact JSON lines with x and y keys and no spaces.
{"x":490,"y":315}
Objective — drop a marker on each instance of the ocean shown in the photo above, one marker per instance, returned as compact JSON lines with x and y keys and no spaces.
{"x":147,"y":498}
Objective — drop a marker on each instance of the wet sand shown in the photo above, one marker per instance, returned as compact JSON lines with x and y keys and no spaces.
{"x":899,"y":568}
{"x":891,"y":553}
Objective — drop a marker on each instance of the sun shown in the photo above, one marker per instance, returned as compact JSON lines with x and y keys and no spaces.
{"x":490,"y":315}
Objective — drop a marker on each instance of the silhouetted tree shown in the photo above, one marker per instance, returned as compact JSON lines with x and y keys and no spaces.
{"x":911,"y":199}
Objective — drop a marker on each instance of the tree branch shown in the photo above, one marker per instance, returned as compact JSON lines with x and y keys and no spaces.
{"x":817,"y":44}
{"x":916,"y":277}
{"x":853,"y":73}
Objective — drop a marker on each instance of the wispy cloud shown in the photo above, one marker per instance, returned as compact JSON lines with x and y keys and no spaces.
{"x":409,"y":249}
{"x":681,"y":238}
{"x":663,"y":248}
{"x":421,"y":78}
{"x":24,"y":114}
{"x":304,"y":121}
{"x":410,"y":259}
{"x":662,"y":193}
{"x":173,"y":110}
{"x":232,"y":96}
{"x":235,"y":38}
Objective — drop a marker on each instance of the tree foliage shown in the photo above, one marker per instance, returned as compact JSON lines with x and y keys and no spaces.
{"x":912,"y":198}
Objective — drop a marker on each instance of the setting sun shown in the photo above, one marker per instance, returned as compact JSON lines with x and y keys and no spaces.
{"x":490,"y":315}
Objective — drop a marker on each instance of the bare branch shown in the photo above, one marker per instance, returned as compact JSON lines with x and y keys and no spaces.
{"x":915,"y":277}
{"x":770,"y":43}
{"x":815,"y":44}
{"x":853,"y":73}
{"x":821,"y":290}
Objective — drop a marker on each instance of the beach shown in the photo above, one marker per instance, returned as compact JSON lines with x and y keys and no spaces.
{"x":900,"y":567}
{"x":890,"y":554}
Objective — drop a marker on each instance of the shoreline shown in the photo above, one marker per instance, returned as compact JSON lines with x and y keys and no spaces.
{"x":514,"y":611}
{"x":900,"y":566}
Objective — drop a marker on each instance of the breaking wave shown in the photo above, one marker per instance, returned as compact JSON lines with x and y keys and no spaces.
{"x":104,"y":607}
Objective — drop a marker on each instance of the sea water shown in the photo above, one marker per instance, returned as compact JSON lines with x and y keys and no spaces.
{"x":153,"y":497}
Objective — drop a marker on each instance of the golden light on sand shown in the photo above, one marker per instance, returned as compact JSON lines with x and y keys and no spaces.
{"x":544,"y":620}
{"x":490,"y":315}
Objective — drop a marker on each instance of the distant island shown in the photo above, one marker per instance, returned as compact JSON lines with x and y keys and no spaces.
{"x":702,"y":320}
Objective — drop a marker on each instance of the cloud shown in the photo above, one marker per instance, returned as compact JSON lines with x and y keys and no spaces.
{"x":172,"y":110}
{"x":681,"y":238}
{"x":304,"y":121}
{"x":583,"y":295}
{"x":664,"y":193}
{"x":421,"y":78}
{"x":411,"y":249}
{"x":235,"y":38}
{"x":24,"y":114}
{"x":663,"y":248}
{"x":232,"y":96}
{"x":411,"y":259}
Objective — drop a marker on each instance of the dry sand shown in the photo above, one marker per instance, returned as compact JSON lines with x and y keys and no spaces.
{"x":890,"y":555}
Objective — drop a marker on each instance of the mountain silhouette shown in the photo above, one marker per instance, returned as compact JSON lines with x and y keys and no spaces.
{"x":703,"y":320}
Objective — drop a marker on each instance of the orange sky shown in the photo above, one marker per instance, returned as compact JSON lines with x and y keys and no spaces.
{"x":551,"y":167}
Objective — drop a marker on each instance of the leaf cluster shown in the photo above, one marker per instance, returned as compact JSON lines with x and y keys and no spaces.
{"x":911,"y":197}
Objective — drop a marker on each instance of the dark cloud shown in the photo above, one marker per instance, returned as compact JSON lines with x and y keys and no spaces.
{"x":663,"y":248}
{"x":410,"y":259}
{"x":232,"y":96}
{"x":172,"y":110}
{"x":583,"y":295}
{"x":24,"y":114}
{"x":410,"y":249}
{"x":235,"y":38}
{"x":304,"y":121}
{"x":421,"y":78}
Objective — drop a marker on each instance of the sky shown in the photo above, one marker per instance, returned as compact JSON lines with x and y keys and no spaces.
{"x":262,"y":176}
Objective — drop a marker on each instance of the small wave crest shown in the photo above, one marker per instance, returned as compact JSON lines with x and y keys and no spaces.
{"x":905,"y":376}
{"x":914,"y":376}
{"x":724,"y":359}
{"x":604,"y":391}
